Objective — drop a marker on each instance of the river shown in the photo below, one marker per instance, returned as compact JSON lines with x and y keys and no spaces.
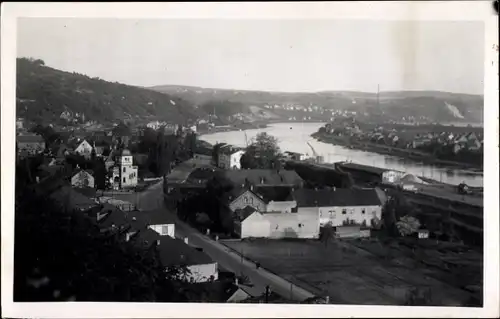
{"x":294,"y":137}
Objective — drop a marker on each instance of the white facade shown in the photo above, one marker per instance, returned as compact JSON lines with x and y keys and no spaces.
{"x":128,"y":172}
{"x":254,"y":225}
{"x":164,"y":230}
{"x":338,"y":216}
{"x":84,"y":149}
{"x":203,"y":273}
{"x":230,"y":161}
{"x":82,"y":179}
{"x":304,"y":224}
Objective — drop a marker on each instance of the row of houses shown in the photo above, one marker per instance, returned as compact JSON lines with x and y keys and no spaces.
{"x":275,"y":204}
{"x":468,"y":141}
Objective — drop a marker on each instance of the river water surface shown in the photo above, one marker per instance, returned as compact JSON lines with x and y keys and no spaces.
{"x":294,"y":137}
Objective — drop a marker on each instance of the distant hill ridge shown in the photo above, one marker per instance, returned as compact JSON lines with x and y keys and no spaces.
{"x":432,"y":104}
{"x":43,"y":93}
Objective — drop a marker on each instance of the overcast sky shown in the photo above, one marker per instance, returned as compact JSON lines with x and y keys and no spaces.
{"x":302,"y":55}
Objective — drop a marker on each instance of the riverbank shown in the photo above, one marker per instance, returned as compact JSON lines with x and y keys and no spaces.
{"x":235,"y":127}
{"x":414,"y":155}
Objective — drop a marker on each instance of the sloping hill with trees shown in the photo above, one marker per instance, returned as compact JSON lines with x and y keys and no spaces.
{"x":43,"y":93}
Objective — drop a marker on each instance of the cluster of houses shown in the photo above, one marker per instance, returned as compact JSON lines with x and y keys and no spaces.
{"x":118,"y":161}
{"x":274,"y":203}
{"x":152,"y":231}
{"x":466,"y":141}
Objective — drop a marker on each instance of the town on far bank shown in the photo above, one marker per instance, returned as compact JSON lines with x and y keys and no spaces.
{"x":255,"y":224}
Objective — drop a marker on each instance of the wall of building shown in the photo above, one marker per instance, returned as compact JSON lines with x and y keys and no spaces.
{"x":230,"y":161}
{"x":203,"y":159}
{"x":202,"y":273}
{"x":160,"y":229}
{"x":284,"y":207}
{"x":255,"y":226}
{"x":303,"y":224}
{"x":248,"y":199}
{"x":359,"y":214}
{"x":78,"y":180}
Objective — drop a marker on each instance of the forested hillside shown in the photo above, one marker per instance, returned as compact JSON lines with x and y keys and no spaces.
{"x":43,"y":93}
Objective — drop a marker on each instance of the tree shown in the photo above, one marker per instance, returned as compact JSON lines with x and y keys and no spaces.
{"x":327,"y":233}
{"x":263,"y":152}
{"x":100,"y":174}
{"x":407,"y":225}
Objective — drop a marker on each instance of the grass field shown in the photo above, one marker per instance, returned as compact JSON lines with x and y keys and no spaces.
{"x":350,"y":273}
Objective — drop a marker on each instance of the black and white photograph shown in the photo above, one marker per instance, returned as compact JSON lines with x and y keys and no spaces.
{"x":211,"y":160}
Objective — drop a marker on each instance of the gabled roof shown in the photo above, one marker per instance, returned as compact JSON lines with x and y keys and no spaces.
{"x":151,"y":217}
{"x":174,"y":252}
{"x":203,"y":150}
{"x":261,"y":177}
{"x":144,"y":238}
{"x":339,"y":197}
{"x":274,"y":193}
{"x":79,"y":170}
{"x":217,"y":291}
{"x":114,"y":217}
{"x":242,"y":214}
{"x":229,"y":149}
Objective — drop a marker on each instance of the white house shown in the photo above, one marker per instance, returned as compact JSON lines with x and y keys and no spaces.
{"x":271,"y":212}
{"x":82,"y":178}
{"x":229,"y":157}
{"x":157,"y":220}
{"x":263,"y":198}
{"x":341,"y":206}
{"x":84,"y":149}
{"x":125,"y":174}
{"x":175,"y":252}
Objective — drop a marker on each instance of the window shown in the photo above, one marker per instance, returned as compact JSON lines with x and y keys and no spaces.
{"x":363,"y":211}
{"x":251,"y":200}
{"x":344,"y":211}
{"x":124,"y":169}
{"x":164,"y":230}
{"x":124,"y":179}
{"x":246,"y":200}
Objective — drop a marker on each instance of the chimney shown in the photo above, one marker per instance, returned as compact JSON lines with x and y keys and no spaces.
{"x":186,"y":241}
{"x":327,"y":299}
{"x":251,"y":187}
{"x":236,"y":281}
{"x":334,"y":188}
{"x":127,"y":236}
{"x":157,"y":242}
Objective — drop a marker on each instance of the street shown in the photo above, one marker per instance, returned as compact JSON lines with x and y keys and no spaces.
{"x":152,"y":198}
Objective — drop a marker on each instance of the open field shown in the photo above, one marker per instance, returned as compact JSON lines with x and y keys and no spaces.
{"x":350,"y":273}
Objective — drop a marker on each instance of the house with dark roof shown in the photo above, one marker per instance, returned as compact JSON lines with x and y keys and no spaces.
{"x":263,"y":199}
{"x":341,"y":206}
{"x":219,"y":292}
{"x":157,"y":220}
{"x":177,"y":253}
{"x":261,"y":177}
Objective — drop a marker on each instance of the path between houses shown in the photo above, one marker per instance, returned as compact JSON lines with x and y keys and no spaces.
{"x":152,"y":198}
